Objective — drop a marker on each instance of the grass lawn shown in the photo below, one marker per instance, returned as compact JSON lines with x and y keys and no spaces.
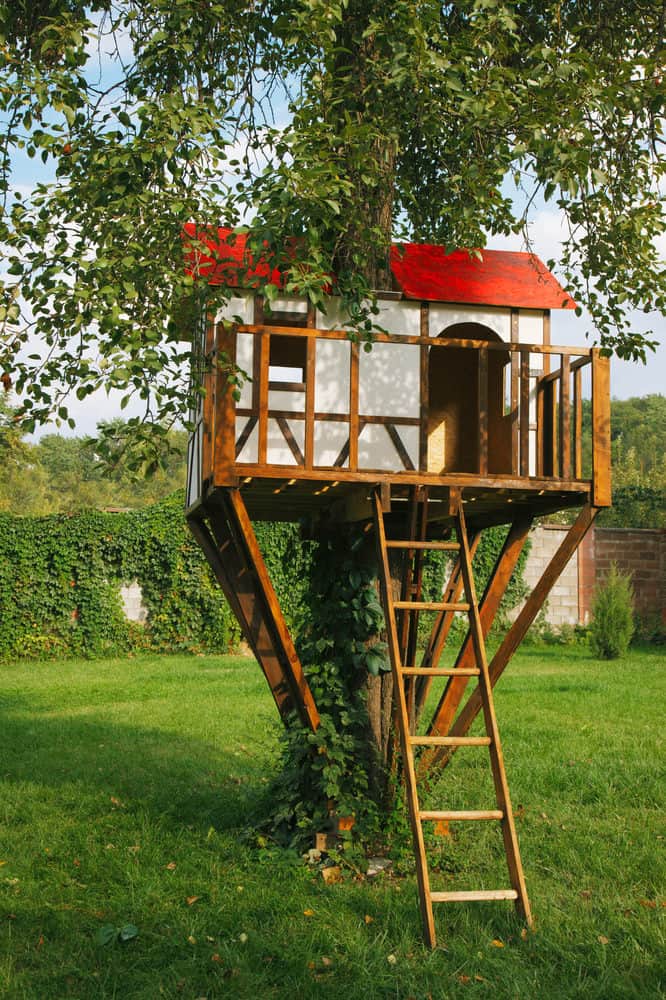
{"x":125,"y":787}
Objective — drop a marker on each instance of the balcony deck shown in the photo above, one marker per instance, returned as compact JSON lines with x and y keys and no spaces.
{"x":537,"y":430}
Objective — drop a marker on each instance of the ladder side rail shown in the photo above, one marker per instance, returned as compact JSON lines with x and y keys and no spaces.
{"x":502,"y":795}
{"x":403,"y":728}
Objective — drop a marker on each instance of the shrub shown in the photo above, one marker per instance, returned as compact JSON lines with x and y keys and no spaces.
{"x":612,"y":623}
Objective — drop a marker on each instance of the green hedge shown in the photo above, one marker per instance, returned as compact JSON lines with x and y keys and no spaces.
{"x":60,"y":579}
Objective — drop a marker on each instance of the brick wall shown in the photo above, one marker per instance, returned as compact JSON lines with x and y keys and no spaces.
{"x":641,"y":552}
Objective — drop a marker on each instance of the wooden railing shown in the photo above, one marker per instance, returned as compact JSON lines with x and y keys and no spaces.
{"x":542,"y":409}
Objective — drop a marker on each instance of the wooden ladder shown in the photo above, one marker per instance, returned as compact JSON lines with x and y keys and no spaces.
{"x":403,"y":676}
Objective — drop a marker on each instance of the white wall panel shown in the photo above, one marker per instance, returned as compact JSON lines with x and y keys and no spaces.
{"x":530,"y":327}
{"x":278,"y":451}
{"x":332,"y":376}
{"x":250,"y":452}
{"x":377,"y":451}
{"x":403,"y":317}
{"x":241,"y":306}
{"x":280,"y":400}
{"x":244,"y":360}
{"x":389,"y":380}
{"x":330,"y":437}
{"x":494,"y":317}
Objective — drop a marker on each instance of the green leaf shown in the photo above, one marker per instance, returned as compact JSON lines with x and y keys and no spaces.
{"x":106,"y":934}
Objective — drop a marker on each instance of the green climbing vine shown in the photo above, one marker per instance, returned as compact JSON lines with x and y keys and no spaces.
{"x":340,"y":643}
{"x":60,"y":579}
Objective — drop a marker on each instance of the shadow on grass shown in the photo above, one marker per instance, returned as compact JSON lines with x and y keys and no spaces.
{"x":188,"y":781}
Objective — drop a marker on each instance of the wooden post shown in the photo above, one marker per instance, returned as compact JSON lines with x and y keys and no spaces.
{"x":310,"y":401}
{"x":524,"y":413}
{"x":578,"y":423}
{"x":425,"y":389}
{"x":601,"y":450}
{"x":353,"y":407}
{"x":264,"y":362}
{"x":224,"y":449}
{"x":515,"y":360}
{"x":483,"y":412}
{"x":565,"y":418}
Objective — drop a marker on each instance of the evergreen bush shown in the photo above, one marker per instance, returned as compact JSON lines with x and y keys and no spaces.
{"x":612,"y":616}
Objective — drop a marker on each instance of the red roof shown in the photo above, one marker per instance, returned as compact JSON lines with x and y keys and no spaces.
{"x":422,"y":271}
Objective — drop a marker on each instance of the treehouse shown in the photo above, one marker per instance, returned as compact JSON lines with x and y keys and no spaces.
{"x":462,"y":415}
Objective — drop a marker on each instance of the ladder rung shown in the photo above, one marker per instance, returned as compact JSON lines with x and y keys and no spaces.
{"x":430,"y":606}
{"x":450,"y":741}
{"x":438,"y":546}
{"x":473,"y":896}
{"x":446,"y":814}
{"x":440,"y":671}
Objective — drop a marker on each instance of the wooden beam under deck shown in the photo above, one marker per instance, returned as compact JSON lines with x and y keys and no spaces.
{"x":519,"y":628}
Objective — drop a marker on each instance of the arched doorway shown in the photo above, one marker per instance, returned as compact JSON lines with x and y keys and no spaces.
{"x":453,"y":405}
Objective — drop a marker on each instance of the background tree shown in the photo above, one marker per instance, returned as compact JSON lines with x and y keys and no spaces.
{"x":344,"y":124}
{"x":335,"y":127}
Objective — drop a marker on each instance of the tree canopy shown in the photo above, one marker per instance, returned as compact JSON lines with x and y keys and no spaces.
{"x":334,"y":126}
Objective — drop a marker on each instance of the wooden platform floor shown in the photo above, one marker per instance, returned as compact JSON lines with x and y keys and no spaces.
{"x":282,"y":498}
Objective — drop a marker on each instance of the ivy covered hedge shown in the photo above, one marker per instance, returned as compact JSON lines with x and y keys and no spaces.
{"x":60,"y":579}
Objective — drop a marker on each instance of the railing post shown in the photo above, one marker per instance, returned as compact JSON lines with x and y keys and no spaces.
{"x":601,"y":450}
{"x":483,"y":412}
{"x":264,"y":362}
{"x":578,"y":423}
{"x":524,"y":413}
{"x":353,"y":407}
{"x":224,"y":450}
{"x":310,"y":362}
{"x":565,"y":418}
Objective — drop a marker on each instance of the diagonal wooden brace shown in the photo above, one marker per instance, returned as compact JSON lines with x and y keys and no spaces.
{"x":495,"y":589}
{"x":442,"y":627}
{"x":230,"y":545}
{"x":517,"y":632}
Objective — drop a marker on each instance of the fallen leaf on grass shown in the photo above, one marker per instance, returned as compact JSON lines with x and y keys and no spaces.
{"x":191,"y":900}
{"x":368,"y":919}
{"x":308,"y":913}
{"x":117,"y":802}
{"x":586,"y":894}
{"x":191,"y":940}
{"x":464,"y":979}
{"x":391,"y":959}
{"x":171,"y":867}
{"x":603,"y":940}
{"x":649,"y":904}
{"x":326,"y":961}
{"x":331,"y":874}
{"x":496,"y":943}
{"x":216,"y":958}
{"x":479,"y":979}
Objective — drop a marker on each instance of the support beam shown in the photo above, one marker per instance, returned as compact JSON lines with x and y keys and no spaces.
{"x":227,"y":538}
{"x":488,"y":608}
{"x":531,"y":609}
